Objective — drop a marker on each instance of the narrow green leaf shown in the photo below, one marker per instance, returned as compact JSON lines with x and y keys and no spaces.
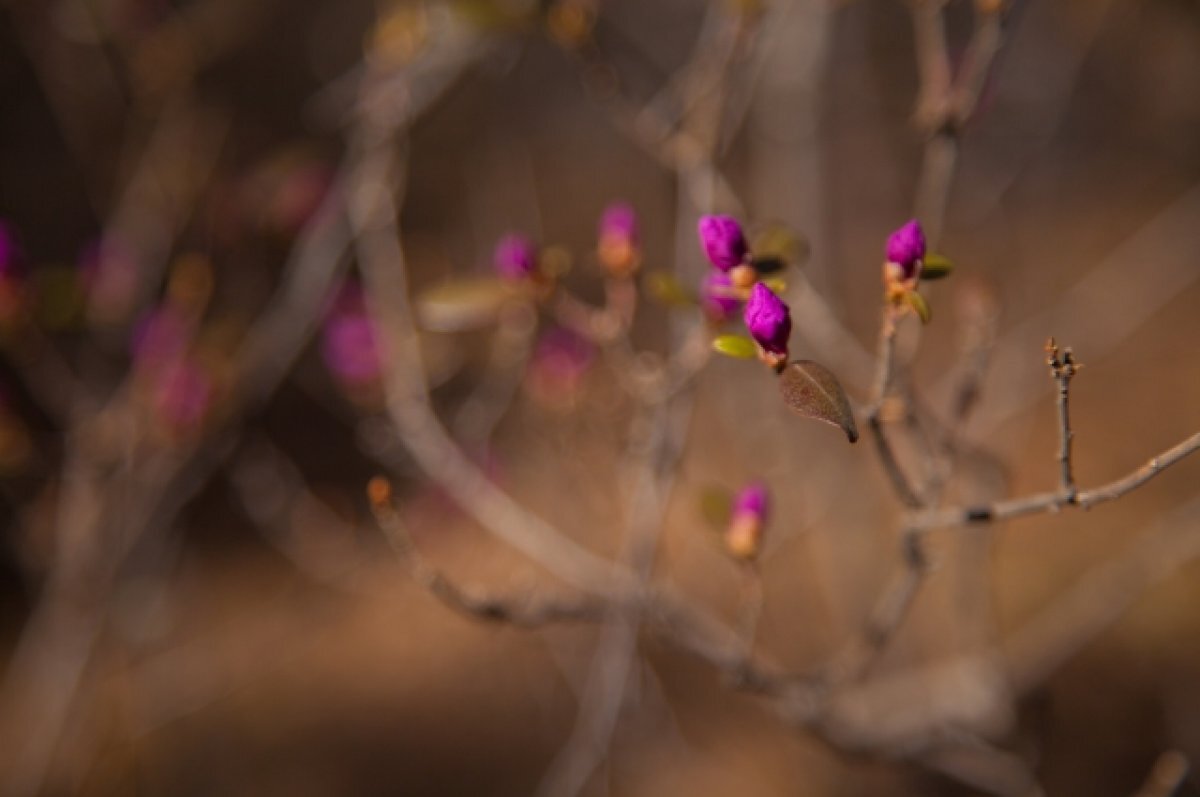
{"x":463,"y":304}
{"x":769,"y":264}
{"x":667,"y":290}
{"x":935,"y":267}
{"x":737,"y":346}
{"x":812,"y":390}
{"x":776,"y":246}
{"x":716,"y":506}
{"x":777,"y":285}
{"x":917,"y":302}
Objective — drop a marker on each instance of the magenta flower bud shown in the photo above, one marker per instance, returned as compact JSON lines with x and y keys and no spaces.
{"x":349,"y":344}
{"x":619,"y":222}
{"x":906,"y":248}
{"x":752,"y":501}
{"x":716,"y":298}
{"x":743,"y":536}
{"x":723,"y":241}
{"x":558,"y":367}
{"x":768,"y":320}
{"x":10,"y":250}
{"x":160,"y":337}
{"x":515,"y":257}
{"x":619,"y":247}
{"x":183,"y":394}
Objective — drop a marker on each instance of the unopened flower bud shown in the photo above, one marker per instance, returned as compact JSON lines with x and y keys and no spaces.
{"x":349,"y":344}
{"x":182,"y":396}
{"x":716,"y":296}
{"x":159,"y":338}
{"x":10,"y":251}
{"x":769,"y":322}
{"x":906,"y":250}
{"x":12,"y":289}
{"x":619,"y":247}
{"x":557,"y":370}
{"x":743,"y":537}
{"x":515,"y":257}
{"x":723,"y":241}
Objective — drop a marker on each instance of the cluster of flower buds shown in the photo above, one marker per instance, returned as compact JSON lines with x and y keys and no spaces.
{"x":743,"y":535}
{"x":767,"y":317}
{"x":619,"y":247}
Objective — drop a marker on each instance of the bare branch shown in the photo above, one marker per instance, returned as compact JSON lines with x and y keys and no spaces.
{"x":1063,"y":368}
{"x":884,"y":369}
{"x":1166,"y":775}
{"x":1053,"y":501}
{"x":528,"y":612}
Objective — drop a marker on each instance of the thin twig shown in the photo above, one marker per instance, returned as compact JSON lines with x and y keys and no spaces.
{"x":1053,"y":501}
{"x":852,"y":663}
{"x":1063,"y":368}
{"x":1166,"y":776}
{"x":530,"y":611}
{"x":884,"y":368}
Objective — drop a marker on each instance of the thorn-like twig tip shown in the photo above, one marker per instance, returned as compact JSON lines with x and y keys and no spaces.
{"x":379,"y":492}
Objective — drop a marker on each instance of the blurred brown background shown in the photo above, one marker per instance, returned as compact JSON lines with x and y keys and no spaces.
{"x":231,"y":664}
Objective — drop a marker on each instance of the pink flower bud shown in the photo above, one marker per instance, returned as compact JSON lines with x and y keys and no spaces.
{"x":723,"y":241}
{"x":556,"y":372}
{"x":515,"y":257}
{"x":768,"y":320}
{"x":717,"y":299}
{"x":10,"y":251}
{"x":619,"y":220}
{"x":160,"y":338}
{"x":906,"y":248}
{"x":743,"y":537}
{"x":752,"y":500}
{"x":619,"y":248}
{"x":182,"y":395}
{"x":349,"y":344}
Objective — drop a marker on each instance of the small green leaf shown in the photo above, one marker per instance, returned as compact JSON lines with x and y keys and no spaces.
{"x":737,"y":346}
{"x":716,"y":506}
{"x":917,"y":302}
{"x":777,"y":286}
{"x":667,"y":290}
{"x":776,"y":247}
{"x":934,"y":267}
{"x":463,"y":304}
{"x":812,"y":390}
{"x":769,"y":264}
